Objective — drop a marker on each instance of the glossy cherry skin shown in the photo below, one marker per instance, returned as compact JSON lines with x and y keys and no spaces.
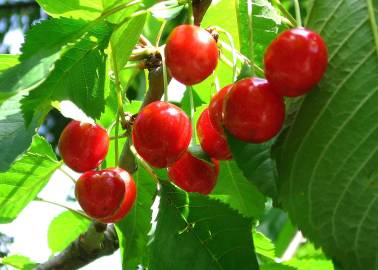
{"x":106,"y":195}
{"x":161,"y":133}
{"x":295,"y":62}
{"x":191,"y":54}
{"x":216,"y":108}
{"x":83,"y":146}
{"x":212,"y":141}
{"x":193,"y":174}
{"x":252,"y":112}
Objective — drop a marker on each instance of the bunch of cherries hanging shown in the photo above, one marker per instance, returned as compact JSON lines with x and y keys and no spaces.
{"x":252,"y":110}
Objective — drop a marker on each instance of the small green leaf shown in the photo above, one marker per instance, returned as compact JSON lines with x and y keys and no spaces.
{"x":76,"y":9}
{"x":263,"y":245}
{"x":133,"y":230}
{"x":64,"y":229}
{"x":234,"y":189}
{"x":78,"y":76}
{"x":166,"y":10}
{"x":266,"y":23}
{"x":194,"y":232}
{"x":8,"y":61}
{"x":256,"y":163}
{"x":19,"y":262}
{"x":15,"y":137}
{"x":39,"y":54}
{"x":26,"y":178}
{"x":124,"y":39}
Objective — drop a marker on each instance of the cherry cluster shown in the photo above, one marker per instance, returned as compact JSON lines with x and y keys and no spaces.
{"x":252,"y":109}
{"x":105,"y":195}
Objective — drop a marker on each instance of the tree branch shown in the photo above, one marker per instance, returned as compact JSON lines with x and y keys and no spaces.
{"x":199,"y":9}
{"x":100,"y":240}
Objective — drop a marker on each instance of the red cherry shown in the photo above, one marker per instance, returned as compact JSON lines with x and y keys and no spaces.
{"x":83,"y":146}
{"x":295,"y":61}
{"x":253,"y":113}
{"x":191,"y":54}
{"x":193,"y":174}
{"x":216,"y":108}
{"x":161,"y":133}
{"x":106,"y":195}
{"x":212,"y":141}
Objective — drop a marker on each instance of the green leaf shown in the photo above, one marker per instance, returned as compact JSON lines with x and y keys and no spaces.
{"x":15,"y":137}
{"x":195,"y":232}
{"x":124,"y":39}
{"x":8,"y":61}
{"x":310,"y":264}
{"x":78,"y":76}
{"x":234,"y":189}
{"x":19,"y":262}
{"x":76,"y":9}
{"x":328,"y":161}
{"x":266,"y":23}
{"x":133,"y":229}
{"x":278,"y":266}
{"x":26,"y":178}
{"x":64,"y":229}
{"x":256,"y":163}
{"x":39,"y":54}
{"x":263,"y":245}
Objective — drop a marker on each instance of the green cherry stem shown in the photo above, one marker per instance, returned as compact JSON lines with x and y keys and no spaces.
{"x":165,"y":74}
{"x":250,"y":34}
{"x":147,"y":167}
{"x":373,"y":22}
{"x":291,"y":20}
{"x":298,"y":13}
{"x":190,"y":89}
{"x":67,"y":174}
{"x":78,"y":212}
{"x":233,"y":50}
{"x":161,"y":30}
{"x":190,"y":12}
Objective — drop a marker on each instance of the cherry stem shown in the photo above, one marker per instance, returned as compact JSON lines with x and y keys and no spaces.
{"x":161,"y":30}
{"x":116,"y":142}
{"x":233,"y":51}
{"x":190,"y":12}
{"x":38,"y":199}
{"x":250,"y":34}
{"x":165,"y":75}
{"x":373,"y":22}
{"x":298,"y":13}
{"x":291,"y":20}
{"x":240,"y":57}
{"x":119,"y":137}
{"x":190,"y":89}
{"x":68,"y":175}
{"x":147,"y":167}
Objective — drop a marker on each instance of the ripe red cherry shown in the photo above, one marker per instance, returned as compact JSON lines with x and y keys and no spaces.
{"x":83,"y":146}
{"x":253,"y":113}
{"x":212,"y":141}
{"x":193,"y":174}
{"x":106,"y":195}
{"x":161,"y":133}
{"x":191,"y":54}
{"x":216,"y":108}
{"x":295,"y":62}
